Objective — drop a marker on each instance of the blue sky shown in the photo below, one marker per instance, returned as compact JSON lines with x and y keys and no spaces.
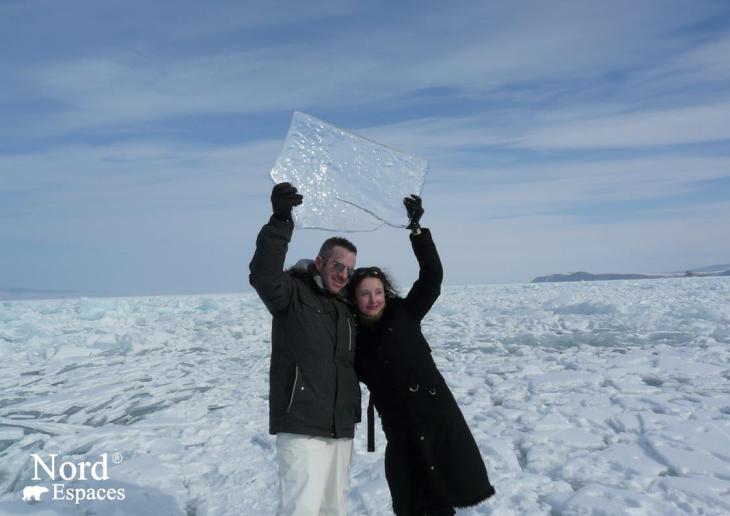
{"x":136,"y":138}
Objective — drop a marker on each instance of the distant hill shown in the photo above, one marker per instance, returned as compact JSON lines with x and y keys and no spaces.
{"x":587,"y":276}
{"x":713,"y":270}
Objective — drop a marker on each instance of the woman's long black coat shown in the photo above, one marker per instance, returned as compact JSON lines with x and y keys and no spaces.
{"x":431,"y":459}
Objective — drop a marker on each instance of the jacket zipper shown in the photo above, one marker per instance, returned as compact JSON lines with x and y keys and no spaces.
{"x":349,"y":338}
{"x":293,"y":388}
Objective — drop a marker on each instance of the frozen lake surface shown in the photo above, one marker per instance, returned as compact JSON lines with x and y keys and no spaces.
{"x":585,"y":398}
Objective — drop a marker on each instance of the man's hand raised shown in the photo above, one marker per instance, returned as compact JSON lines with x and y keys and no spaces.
{"x":283,"y":198}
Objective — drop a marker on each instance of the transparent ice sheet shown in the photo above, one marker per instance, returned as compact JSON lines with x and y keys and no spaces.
{"x":349,"y":183}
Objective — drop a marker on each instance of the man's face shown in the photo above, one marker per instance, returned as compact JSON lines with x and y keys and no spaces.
{"x":336,"y":270}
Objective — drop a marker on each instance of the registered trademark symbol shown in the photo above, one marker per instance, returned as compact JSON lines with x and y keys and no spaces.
{"x":117,"y":458}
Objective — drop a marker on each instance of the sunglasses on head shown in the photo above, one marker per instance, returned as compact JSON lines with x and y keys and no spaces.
{"x":367,"y":271}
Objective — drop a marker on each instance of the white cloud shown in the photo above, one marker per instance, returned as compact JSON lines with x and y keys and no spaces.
{"x":93,"y":182}
{"x":150,"y":176}
{"x":478,"y":50}
{"x":111,"y":92}
{"x":696,"y":124}
{"x":552,"y":181}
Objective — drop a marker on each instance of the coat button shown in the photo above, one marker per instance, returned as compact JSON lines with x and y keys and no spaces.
{"x":301,"y":388}
{"x":433,"y":468}
{"x":432,"y":391}
{"x":422,"y":438}
{"x":390,"y":329}
{"x":386,"y":361}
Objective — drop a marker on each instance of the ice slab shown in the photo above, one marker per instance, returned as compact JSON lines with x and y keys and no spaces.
{"x":349,"y":183}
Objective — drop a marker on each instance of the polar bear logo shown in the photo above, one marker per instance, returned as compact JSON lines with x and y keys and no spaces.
{"x":33,"y":493}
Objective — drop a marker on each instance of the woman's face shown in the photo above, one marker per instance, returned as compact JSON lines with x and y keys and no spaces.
{"x":370,"y":297}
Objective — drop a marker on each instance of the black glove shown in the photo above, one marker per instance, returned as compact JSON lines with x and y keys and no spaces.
{"x":415,"y":211}
{"x":283,"y":198}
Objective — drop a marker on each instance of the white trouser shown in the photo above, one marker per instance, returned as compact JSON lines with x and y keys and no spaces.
{"x":313,"y":475}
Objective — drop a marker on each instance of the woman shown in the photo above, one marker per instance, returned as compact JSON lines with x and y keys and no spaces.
{"x":432,"y":463}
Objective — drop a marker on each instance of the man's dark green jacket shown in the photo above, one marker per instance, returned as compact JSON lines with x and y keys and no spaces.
{"x":313,"y":388}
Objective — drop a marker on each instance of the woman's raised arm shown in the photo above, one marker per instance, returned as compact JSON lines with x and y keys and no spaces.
{"x":427,"y":287}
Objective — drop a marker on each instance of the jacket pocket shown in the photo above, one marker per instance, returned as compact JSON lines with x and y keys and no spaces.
{"x":293,"y":389}
{"x":426,"y":389}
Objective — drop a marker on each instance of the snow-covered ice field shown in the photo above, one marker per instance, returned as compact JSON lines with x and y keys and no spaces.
{"x":585,"y":398}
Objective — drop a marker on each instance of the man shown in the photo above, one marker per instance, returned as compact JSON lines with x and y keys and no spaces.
{"x":314,"y":395}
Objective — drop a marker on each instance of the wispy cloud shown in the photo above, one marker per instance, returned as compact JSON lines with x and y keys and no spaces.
{"x":573,"y":178}
{"x":683,"y":125}
{"x":476,"y":50}
{"x":117,"y":180}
